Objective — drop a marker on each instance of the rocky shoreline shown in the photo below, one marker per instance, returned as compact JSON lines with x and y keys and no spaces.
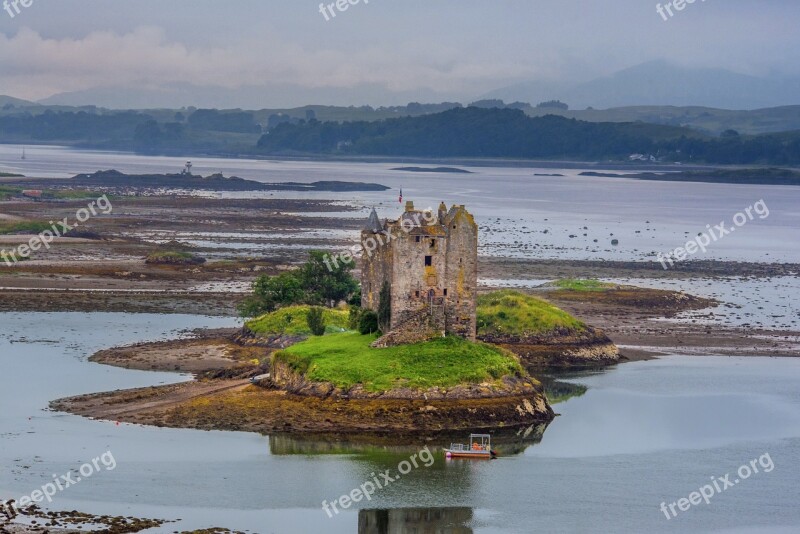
{"x":237,"y":405}
{"x":561,"y":349}
{"x":223,"y":397}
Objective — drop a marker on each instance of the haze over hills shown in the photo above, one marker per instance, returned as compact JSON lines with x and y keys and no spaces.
{"x":661,"y":83}
{"x":652,"y":83}
{"x":178,"y":95}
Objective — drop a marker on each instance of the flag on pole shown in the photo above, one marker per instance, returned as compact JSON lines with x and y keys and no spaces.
{"x":401,"y":195}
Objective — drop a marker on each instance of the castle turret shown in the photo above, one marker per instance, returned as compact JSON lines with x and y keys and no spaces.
{"x":442,"y":212}
{"x":373,"y":223}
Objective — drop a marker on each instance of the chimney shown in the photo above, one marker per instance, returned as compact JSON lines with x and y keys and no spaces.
{"x":409,"y":206}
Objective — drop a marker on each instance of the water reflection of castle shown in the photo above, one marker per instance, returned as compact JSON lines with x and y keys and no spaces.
{"x":415,"y":521}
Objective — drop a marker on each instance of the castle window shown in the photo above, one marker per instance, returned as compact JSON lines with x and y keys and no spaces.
{"x":445,"y":292}
{"x":416,"y":293}
{"x":433,"y":243}
{"x":417,"y":239}
{"x":428,"y":261}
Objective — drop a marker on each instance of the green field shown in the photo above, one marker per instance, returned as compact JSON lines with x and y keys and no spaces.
{"x":347,"y":359}
{"x":292,"y":321}
{"x":510,"y":312}
{"x":8,"y":191}
{"x":71,"y":194}
{"x":590,"y":285}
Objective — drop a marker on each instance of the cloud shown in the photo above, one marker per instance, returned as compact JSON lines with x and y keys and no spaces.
{"x":458,"y":49}
{"x":35,"y":67}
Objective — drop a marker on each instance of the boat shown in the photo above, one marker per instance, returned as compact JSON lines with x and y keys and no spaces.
{"x":479,"y":448}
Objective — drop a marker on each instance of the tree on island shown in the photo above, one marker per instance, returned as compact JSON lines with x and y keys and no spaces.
{"x":313,"y":283}
{"x":327,"y":284}
{"x":273,"y":292}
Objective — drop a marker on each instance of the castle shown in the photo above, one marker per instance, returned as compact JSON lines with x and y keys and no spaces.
{"x":430,"y":262}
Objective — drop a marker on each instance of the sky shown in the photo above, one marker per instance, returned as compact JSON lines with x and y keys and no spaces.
{"x":426,"y":50}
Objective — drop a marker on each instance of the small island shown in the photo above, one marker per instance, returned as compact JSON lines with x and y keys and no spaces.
{"x":114,"y":180}
{"x":411,"y":349}
{"x":446,"y":170}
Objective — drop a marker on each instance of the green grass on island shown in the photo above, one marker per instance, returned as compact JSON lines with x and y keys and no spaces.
{"x":347,"y":359}
{"x":583,"y":285}
{"x":510,"y":312}
{"x":292,"y":321}
{"x":9,"y":191}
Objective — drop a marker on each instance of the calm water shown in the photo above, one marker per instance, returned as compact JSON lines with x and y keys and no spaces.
{"x":643,"y":433}
{"x":520,"y":214}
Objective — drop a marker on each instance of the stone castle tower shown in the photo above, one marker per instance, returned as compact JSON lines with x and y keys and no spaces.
{"x":430,"y":262}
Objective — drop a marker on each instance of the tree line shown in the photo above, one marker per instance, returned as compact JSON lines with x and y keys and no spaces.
{"x":508,"y":133}
{"x":471,"y":132}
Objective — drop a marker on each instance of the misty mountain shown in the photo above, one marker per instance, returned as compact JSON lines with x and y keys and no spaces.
{"x":661,"y":83}
{"x":178,"y":95}
{"x":18,"y":102}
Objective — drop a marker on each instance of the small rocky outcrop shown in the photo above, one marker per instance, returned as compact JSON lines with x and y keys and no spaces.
{"x":560,"y":348}
{"x":507,"y":403}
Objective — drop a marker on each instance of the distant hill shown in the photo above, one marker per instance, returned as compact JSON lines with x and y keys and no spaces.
{"x":709,"y":120}
{"x":6,"y":100}
{"x":473,"y":132}
{"x":661,"y":83}
{"x":508,"y":133}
